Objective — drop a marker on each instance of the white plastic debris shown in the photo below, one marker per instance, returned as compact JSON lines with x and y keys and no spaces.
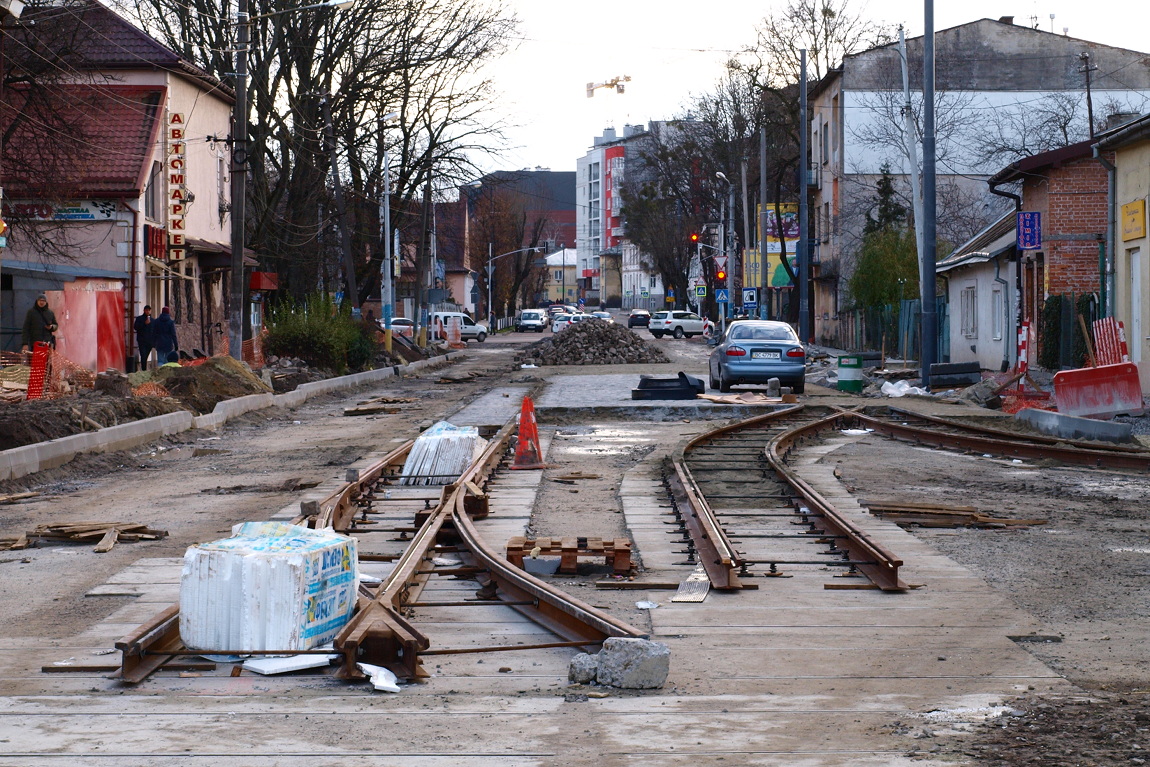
{"x":282,"y":665}
{"x":645,"y":605}
{"x":901,"y":389}
{"x":380,"y":678}
{"x":855,"y":432}
{"x":271,"y":586}
{"x":446,"y":562}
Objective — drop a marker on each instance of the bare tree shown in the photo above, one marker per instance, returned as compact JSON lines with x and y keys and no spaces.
{"x":422,"y":58}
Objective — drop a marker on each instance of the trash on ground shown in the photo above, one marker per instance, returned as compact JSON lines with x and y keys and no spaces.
{"x":268,"y":666}
{"x":381,"y":678}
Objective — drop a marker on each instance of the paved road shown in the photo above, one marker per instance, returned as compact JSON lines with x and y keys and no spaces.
{"x":789,"y":674}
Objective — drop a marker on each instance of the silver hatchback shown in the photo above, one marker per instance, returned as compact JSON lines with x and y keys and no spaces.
{"x":755,"y":351}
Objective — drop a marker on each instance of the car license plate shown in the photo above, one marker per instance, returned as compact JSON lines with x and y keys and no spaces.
{"x":764,"y":355}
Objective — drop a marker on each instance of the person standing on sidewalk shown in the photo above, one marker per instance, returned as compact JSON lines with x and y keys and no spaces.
{"x":143,"y":326}
{"x":164,"y":336}
{"x":39,"y":325}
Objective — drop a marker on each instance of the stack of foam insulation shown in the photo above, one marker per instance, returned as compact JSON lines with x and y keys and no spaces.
{"x":271,"y":586}
{"x":441,"y":454}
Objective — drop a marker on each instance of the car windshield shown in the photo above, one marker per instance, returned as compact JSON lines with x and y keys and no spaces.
{"x":660,"y":315}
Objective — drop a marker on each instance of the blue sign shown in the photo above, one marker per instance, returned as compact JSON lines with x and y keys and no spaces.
{"x":722,"y":295}
{"x":670,"y":292}
{"x":750,"y":297}
{"x":1029,"y":230}
{"x":700,"y":291}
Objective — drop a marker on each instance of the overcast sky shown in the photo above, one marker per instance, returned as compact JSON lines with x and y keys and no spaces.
{"x":673,"y":48}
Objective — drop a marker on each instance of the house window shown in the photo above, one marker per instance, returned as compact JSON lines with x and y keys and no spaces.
{"x":969,"y":311}
{"x":996,"y":310}
{"x":558,"y":275}
{"x":826,"y":222}
{"x":153,"y":206}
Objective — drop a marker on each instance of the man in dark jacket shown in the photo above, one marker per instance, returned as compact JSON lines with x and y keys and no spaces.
{"x":39,"y":324}
{"x":143,"y":326}
{"x":164,"y":336}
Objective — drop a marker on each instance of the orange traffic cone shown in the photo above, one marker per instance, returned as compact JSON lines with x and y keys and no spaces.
{"x":528,"y":455}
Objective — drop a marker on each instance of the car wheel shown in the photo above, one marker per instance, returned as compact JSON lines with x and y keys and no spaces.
{"x":797,"y":388}
{"x":656,"y":335}
{"x":481,"y":337}
{"x":724,"y":384}
{"x":714,"y":384}
{"x":678,"y":333}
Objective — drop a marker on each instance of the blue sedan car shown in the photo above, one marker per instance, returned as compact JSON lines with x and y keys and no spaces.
{"x":754,"y":351}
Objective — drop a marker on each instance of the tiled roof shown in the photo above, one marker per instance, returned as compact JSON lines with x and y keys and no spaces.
{"x":98,"y":39}
{"x":80,"y":140}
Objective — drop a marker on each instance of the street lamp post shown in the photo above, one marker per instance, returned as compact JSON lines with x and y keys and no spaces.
{"x":728,"y":242}
{"x":490,"y":268}
{"x":386,"y":293}
{"x":239,"y":165}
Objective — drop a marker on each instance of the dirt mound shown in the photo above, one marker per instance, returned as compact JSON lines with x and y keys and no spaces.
{"x":592,"y":342}
{"x":200,"y":387}
{"x":26,"y":423}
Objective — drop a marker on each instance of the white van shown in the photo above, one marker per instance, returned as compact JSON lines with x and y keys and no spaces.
{"x":531,"y":319}
{"x":470,"y":329}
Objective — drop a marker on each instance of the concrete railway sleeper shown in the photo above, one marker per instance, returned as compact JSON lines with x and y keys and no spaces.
{"x":379,"y":633}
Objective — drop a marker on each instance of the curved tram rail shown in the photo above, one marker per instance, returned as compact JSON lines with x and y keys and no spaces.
{"x":378,"y":633}
{"x":733,"y":484}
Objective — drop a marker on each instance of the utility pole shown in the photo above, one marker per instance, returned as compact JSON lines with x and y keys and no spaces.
{"x":929,"y":320}
{"x":747,"y":218}
{"x":1084,"y":57}
{"x":764,"y":272}
{"x":804,"y":241}
{"x":350,"y":282}
{"x":386,"y":269}
{"x":421,"y":265}
{"x":238,"y":296}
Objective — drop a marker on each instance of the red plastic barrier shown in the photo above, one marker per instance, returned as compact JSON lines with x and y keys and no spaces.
{"x":1101,"y":392}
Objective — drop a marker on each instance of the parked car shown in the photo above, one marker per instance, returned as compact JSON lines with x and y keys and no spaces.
{"x":605,"y":316}
{"x":534,"y":320}
{"x":638,"y":318}
{"x":469,"y":331}
{"x":566,"y":320}
{"x":754,"y":351}
{"x":675,"y":323}
{"x":400,"y":326}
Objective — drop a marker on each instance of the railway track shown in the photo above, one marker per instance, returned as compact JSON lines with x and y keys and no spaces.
{"x":741,"y":505}
{"x":431,"y":522}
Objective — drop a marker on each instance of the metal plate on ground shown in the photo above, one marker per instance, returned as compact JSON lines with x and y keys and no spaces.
{"x":695,"y":588}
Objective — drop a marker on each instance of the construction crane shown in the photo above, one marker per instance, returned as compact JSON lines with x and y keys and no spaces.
{"x":615,"y":82}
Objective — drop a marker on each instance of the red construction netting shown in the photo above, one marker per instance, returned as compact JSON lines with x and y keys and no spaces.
{"x":1015,"y":401}
{"x":150,"y":389}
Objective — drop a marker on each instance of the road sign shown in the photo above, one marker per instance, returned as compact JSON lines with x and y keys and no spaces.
{"x":670,"y":292}
{"x":721,"y":262}
{"x":628,"y":293}
{"x":645,"y":293}
{"x":750,"y":297}
{"x":723,"y":296}
{"x":700,"y":291}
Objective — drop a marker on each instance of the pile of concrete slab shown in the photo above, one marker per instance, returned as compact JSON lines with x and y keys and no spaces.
{"x":592,"y":342}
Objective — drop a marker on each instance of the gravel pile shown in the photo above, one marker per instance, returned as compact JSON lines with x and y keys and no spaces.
{"x":592,"y":342}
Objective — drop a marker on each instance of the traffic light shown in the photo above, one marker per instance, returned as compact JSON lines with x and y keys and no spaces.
{"x":720,"y":274}
{"x":694,"y":237}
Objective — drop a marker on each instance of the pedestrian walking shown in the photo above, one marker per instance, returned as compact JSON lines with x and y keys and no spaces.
{"x":143,"y":326}
{"x":39,"y":325}
{"x":164,"y":336}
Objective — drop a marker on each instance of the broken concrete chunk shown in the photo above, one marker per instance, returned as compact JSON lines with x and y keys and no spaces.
{"x":635,"y":664}
{"x":583,"y":668}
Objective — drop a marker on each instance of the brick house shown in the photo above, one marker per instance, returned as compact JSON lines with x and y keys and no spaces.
{"x":1067,"y":188}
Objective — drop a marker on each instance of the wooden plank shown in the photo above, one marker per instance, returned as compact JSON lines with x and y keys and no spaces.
{"x":107,"y":542}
